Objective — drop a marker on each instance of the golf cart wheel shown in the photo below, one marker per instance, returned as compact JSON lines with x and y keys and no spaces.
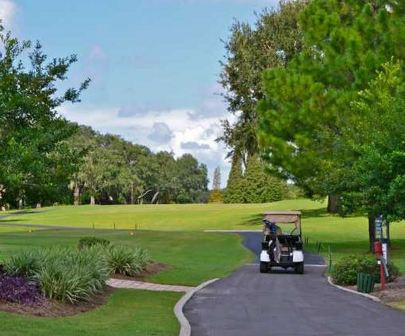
{"x":299,"y":268}
{"x":264,"y":267}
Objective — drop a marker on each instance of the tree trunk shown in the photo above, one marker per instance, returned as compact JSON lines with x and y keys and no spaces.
{"x":76,"y":195}
{"x":92,"y":200}
{"x":371,"y":231}
{"x":333,"y":202}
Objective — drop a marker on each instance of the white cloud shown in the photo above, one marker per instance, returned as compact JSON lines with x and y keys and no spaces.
{"x":179,"y":126}
{"x":7,"y":12}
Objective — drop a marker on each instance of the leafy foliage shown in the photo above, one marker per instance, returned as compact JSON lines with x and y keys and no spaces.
{"x":255,"y":185}
{"x":18,"y":289}
{"x":261,"y":187}
{"x":87,"y":242}
{"x":271,"y":43}
{"x":113,"y":170}
{"x":35,"y":162}
{"x":322,"y":130}
{"x":345,"y":43}
{"x":42,"y":154}
{"x":235,"y":185}
{"x":63,"y":274}
{"x":345,"y":271}
{"x":125,"y":260}
{"x":375,"y":141}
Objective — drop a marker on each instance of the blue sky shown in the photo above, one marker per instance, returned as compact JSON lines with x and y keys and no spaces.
{"x":154,"y":65}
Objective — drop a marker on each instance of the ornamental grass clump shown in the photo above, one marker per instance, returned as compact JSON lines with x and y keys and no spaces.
{"x":86,"y":242}
{"x":72,"y":276}
{"x":125,"y":260}
{"x":64,"y":274}
{"x":26,"y":263}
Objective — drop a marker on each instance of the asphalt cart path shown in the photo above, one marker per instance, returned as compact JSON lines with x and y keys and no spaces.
{"x":248,"y":303}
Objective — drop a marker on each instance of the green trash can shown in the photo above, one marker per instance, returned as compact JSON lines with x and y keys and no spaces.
{"x":365,"y":282}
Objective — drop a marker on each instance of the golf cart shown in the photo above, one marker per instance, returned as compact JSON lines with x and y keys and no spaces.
{"x":287,"y":247}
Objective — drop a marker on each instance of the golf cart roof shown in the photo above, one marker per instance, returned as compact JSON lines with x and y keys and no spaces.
{"x":283,"y":216}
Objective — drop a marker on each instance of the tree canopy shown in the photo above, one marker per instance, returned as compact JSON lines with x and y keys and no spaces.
{"x":46,"y":159}
{"x":321,"y":115}
{"x":33,"y":155}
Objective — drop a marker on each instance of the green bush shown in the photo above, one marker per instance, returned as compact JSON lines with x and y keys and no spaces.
{"x":72,"y":275}
{"x":63,"y":274}
{"x":26,"y":263}
{"x":345,"y":271}
{"x":126,"y":260}
{"x":86,"y":242}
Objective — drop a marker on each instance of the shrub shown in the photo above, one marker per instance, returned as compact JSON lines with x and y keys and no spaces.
{"x":345,"y":271}
{"x":65,"y":274}
{"x":18,"y":289}
{"x":126,"y":260}
{"x":86,"y":242}
{"x":26,"y":263}
{"x":73,"y":276}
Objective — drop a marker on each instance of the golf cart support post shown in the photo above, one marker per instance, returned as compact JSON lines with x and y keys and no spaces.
{"x":290,"y":244}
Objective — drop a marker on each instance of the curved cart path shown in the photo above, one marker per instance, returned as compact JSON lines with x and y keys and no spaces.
{"x":248,"y":303}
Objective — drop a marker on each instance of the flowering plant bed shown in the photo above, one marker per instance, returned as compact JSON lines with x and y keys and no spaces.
{"x":19,"y":290}
{"x":52,"y":308}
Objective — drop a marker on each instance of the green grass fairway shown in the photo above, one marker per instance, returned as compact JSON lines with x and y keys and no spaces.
{"x":343,"y":235}
{"x":192,"y":257}
{"x":127,"y":313}
{"x":162,"y":217}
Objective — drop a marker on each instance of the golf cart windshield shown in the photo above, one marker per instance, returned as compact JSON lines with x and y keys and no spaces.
{"x":290,"y":220}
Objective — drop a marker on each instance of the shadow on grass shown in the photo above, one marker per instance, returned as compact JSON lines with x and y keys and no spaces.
{"x":27,"y":211}
{"x":6,"y":220}
{"x":254,"y":220}
{"x":257,"y":219}
{"x":320,"y":212}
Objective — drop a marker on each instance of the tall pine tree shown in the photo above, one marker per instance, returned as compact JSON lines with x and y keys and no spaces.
{"x":215,"y":195}
{"x":260,"y":187}
{"x":235,"y":185}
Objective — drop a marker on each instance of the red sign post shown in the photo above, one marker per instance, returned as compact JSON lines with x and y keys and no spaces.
{"x":378,"y":250}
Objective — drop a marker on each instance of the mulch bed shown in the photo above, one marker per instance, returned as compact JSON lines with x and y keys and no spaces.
{"x":51,"y":308}
{"x":394,"y":291}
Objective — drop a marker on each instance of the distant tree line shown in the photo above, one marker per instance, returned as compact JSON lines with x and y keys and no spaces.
{"x":317,"y":88}
{"x":112,"y":170}
{"x":44,"y":159}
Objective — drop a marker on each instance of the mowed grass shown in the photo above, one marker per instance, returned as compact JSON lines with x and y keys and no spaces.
{"x":191,"y":257}
{"x":162,"y":217}
{"x":174,"y":235}
{"x":343,"y":235}
{"x":127,"y":313}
